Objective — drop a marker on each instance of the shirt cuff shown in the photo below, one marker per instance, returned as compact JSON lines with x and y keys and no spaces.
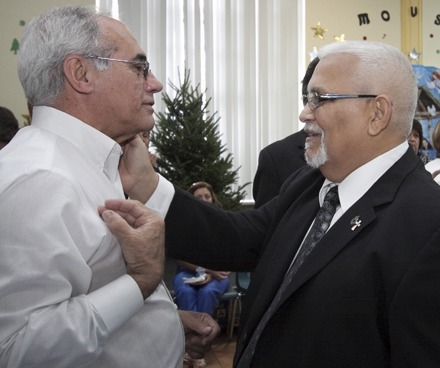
{"x":117,"y":302}
{"x":161,"y":199}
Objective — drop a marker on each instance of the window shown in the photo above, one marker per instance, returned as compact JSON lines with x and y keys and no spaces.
{"x":248,"y":55}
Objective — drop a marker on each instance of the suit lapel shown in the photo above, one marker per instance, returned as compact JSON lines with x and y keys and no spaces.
{"x":344,"y":231}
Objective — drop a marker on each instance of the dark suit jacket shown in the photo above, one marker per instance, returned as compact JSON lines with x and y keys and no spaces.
{"x":367,"y":296}
{"x":276,"y":163}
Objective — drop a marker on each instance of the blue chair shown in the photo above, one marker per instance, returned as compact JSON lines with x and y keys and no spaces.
{"x":232,"y":296}
{"x":242,"y":280}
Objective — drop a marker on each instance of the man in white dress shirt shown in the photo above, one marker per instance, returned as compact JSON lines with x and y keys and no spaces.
{"x":78,"y":289}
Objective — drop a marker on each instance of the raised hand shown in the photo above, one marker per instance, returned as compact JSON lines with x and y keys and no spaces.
{"x":139,"y":179}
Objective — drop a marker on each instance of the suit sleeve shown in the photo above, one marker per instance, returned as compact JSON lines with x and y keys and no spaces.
{"x":204,"y":234}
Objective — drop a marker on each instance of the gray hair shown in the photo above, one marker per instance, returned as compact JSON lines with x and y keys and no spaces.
{"x":48,"y":40}
{"x":383,"y":69}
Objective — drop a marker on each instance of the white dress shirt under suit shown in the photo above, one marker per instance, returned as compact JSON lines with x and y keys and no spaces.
{"x":65,"y":297}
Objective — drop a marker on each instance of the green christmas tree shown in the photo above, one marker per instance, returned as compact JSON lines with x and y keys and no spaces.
{"x":189,"y":148}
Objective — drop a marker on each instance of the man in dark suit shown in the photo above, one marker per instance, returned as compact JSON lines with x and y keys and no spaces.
{"x":367,"y":294}
{"x":276,"y":163}
{"x":282,"y":158}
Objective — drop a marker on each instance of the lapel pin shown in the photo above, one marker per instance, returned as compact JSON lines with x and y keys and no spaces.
{"x":355,"y":222}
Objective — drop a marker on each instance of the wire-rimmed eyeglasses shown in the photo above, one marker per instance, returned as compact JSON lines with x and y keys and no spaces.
{"x":142,"y":66}
{"x":315,"y":100}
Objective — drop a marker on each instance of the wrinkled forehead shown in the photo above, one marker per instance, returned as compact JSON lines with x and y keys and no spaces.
{"x":119,"y":36}
{"x":335,"y":73}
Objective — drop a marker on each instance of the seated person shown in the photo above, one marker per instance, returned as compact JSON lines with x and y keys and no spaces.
{"x":202,"y":295}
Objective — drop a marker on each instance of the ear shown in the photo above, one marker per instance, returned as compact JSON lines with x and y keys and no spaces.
{"x":381,"y":115}
{"x":79,"y":73}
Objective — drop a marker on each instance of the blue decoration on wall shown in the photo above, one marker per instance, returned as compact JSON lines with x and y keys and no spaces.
{"x":428,"y":104}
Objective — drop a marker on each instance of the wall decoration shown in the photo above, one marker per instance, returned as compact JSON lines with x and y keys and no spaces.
{"x":406,"y":24}
{"x":428,"y":104}
{"x":15,"y":45}
{"x":319,"y":31}
{"x":414,"y":55}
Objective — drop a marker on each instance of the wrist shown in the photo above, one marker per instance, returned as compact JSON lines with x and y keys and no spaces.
{"x":144,"y":188}
{"x":147,"y":283}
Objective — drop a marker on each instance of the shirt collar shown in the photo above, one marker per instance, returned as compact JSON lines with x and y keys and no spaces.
{"x":103,"y":151}
{"x":355,"y":185}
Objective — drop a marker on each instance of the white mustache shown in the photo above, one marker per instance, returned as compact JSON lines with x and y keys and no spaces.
{"x":313,"y":128}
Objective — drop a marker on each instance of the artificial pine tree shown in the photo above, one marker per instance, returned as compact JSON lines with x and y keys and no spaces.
{"x":189,"y":148}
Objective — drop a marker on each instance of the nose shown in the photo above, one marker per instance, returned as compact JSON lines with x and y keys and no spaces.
{"x":306,"y":114}
{"x":152,"y":84}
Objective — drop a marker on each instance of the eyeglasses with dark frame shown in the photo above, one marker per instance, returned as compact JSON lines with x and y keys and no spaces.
{"x":315,"y":100}
{"x":145,"y":65}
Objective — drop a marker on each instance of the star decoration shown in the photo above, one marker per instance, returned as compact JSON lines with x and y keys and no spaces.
{"x":414,"y":55}
{"x":314,"y":53}
{"x":340,"y":38}
{"x":319,"y":31}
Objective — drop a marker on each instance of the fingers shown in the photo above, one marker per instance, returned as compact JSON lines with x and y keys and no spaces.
{"x":141,"y":235}
{"x":200,"y":324}
{"x":115,"y":223}
{"x":133,"y":212}
{"x":200,"y":330}
{"x":125,"y":205}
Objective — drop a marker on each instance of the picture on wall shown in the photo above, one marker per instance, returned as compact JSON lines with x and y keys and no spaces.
{"x":428,"y":106}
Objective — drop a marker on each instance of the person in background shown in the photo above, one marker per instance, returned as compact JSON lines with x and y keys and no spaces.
{"x":415,"y":139}
{"x":204,"y":191}
{"x":202,"y":294}
{"x":8,"y":126}
{"x":279,"y":160}
{"x":81,"y":286}
{"x":363,"y":287}
{"x":276,"y":162}
{"x":434,"y":166}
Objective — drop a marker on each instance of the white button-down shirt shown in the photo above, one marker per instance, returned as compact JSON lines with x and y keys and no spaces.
{"x":65,"y":297}
{"x":355,"y":185}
